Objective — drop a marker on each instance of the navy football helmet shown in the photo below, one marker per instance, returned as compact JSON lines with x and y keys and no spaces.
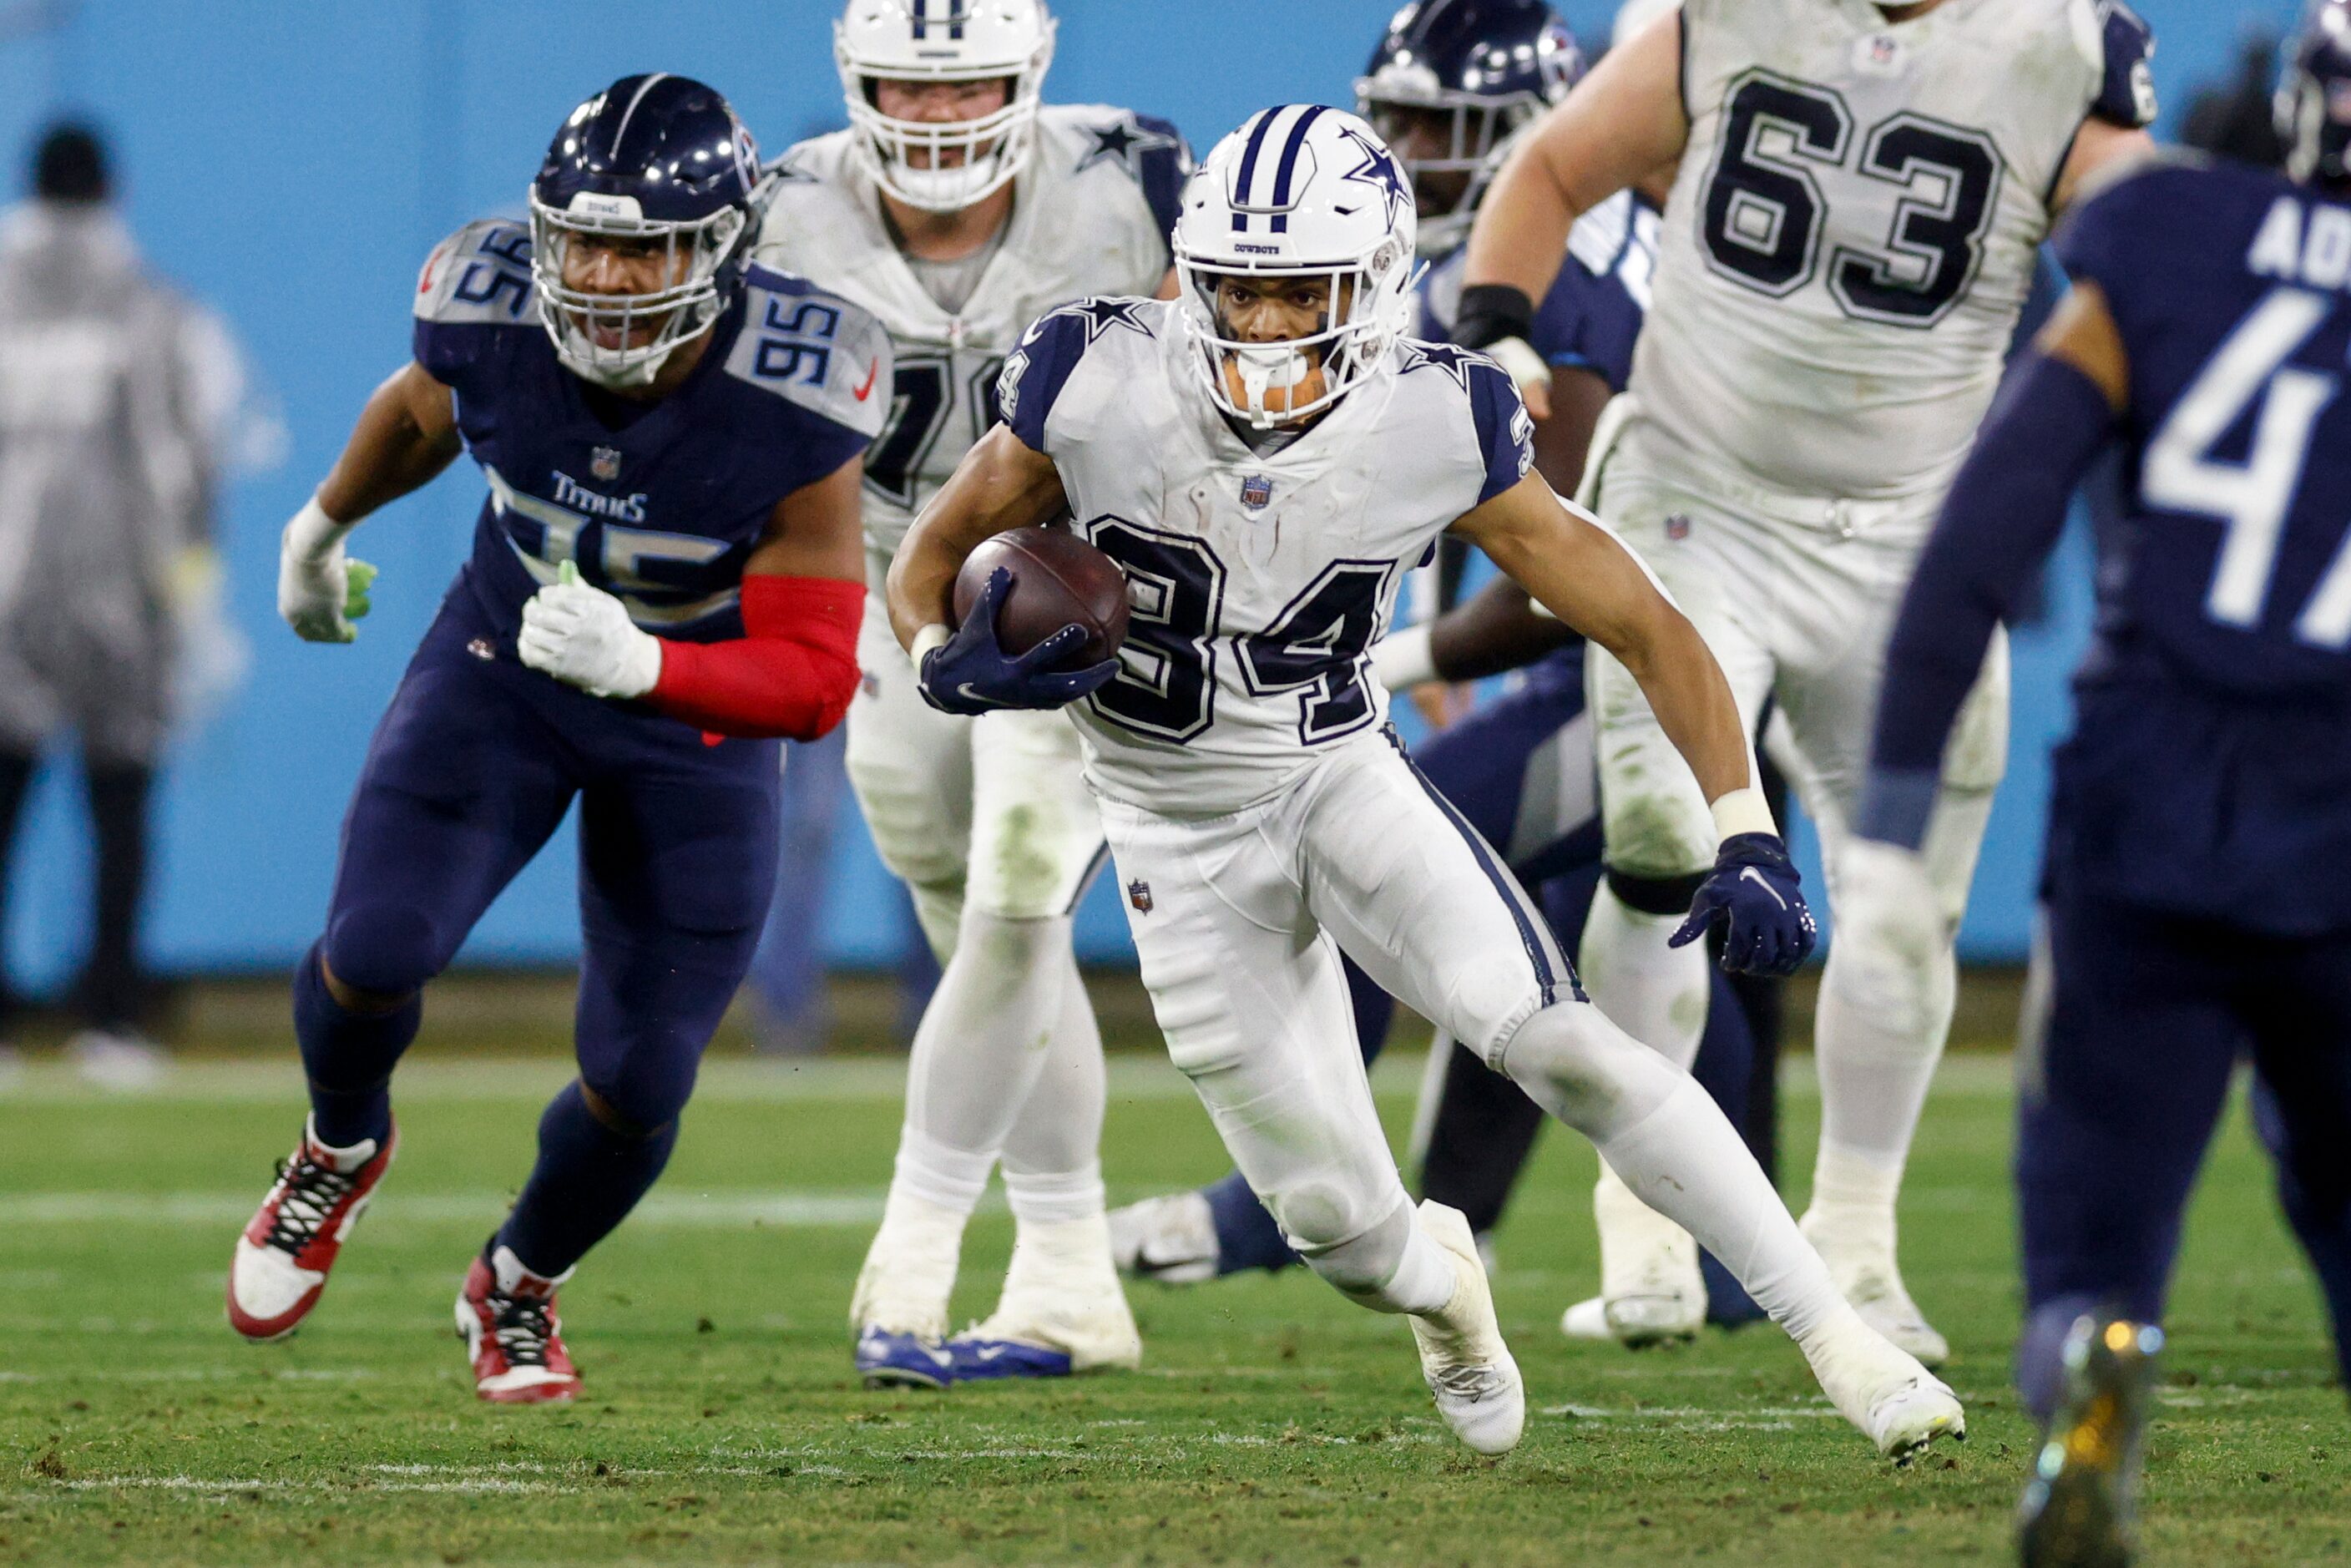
{"x":653,"y":166}
{"x":2314,"y":96}
{"x":1449,"y":84}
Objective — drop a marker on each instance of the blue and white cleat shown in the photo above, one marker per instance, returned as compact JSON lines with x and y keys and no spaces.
{"x":979,"y":1358}
{"x":891,"y":1360}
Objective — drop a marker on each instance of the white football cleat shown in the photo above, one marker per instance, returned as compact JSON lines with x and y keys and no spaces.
{"x":1171,"y":1239}
{"x":1062,"y":1293}
{"x":1468,"y":1367}
{"x":1882,"y":1389}
{"x":1864,"y":1267}
{"x":1651,"y":1290}
{"x":1587,"y":1318}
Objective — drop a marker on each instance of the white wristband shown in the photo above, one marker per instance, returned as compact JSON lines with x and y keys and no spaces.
{"x":931,"y":636}
{"x":312,"y":535}
{"x":1526,"y":366}
{"x":1744,"y":812}
{"x":1403,"y":659}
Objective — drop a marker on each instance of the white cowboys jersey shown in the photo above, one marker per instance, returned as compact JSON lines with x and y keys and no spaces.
{"x":1855,"y":227}
{"x":1091,"y":214}
{"x":1258,"y":583}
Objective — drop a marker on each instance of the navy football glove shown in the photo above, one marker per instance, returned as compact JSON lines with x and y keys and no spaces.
{"x":971,"y":674}
{"x":1753,"y":889}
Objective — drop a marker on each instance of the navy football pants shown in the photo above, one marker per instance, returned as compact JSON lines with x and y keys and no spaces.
{"x":2148,"y":1014}
{"x":471,"y":772}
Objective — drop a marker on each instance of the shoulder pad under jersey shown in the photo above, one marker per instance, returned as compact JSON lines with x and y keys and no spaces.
{"x":814,"y":350}
{"x":480,"y":276}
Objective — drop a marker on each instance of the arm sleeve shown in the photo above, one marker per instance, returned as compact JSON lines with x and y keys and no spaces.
{"x":2006,"y":510}
{"x":1506,"y":432}
{"x":791,"y":674}
{"x":1033,"y":377}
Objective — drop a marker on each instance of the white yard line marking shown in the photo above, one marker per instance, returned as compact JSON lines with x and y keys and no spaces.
{"x":880,"y":1080}
{"x":723,"y":1210}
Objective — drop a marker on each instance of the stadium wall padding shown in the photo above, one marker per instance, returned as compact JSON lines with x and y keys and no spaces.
{"x":292,"y":164}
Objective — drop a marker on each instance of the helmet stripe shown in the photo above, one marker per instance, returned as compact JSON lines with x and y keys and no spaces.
{"x":1256,"y":133}
{"x":1288,"y":168}
{"x":644,"y":88}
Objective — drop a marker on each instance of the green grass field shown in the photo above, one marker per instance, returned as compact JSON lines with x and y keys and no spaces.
{"x":1272,"y":1422}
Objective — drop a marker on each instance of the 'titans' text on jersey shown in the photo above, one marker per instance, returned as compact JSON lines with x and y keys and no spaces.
{"x":1258,"y":583}
{"x":1853,"y":229}
{"x":658,"y":504}
{"x":1091,"y":216}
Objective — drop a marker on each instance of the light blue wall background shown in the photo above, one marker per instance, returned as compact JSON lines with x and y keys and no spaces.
{"x":291,"y":163}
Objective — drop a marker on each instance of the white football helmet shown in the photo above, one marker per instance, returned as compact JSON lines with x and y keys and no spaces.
{"x":943,"y":167}
{"x":1301,"y":191}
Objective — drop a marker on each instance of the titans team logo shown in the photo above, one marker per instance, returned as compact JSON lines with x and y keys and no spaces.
{"x":1257,"y":492}
{"x":1138,"y":894}
{"x":604,"y":462}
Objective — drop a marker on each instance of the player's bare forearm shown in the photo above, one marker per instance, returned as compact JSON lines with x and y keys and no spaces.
{"x":817,"y":530}
{"x":1615,"y":130}
{"x":1002,"y":483}
{"x":405,"y":436}
{"x":1583,"y":574}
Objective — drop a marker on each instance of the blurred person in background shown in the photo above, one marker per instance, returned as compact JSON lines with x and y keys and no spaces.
{"x":116,"y":394}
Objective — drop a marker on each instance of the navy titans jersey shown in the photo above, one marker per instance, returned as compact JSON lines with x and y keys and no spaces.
{"x":657,"y":503}
{"x":1592,"y":315}
{"x":2210,"y":770}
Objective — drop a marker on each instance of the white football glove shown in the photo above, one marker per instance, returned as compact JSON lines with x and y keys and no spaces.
{"x":1890,"y":933}
{"x":583,"y":637}
{"x":321,"y":591}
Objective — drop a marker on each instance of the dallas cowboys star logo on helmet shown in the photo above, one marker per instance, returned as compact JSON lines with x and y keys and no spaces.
{"x":1379,"y":170}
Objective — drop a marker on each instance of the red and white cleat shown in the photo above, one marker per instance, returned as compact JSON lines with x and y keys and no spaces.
{"x":282,"y":1259}
{"x":505,"y":1315}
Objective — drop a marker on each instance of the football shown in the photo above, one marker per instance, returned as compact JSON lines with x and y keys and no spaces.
{"x":1058,"y":580}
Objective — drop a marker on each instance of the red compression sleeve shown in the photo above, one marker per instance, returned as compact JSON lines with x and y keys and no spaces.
{"x":791,"y":672}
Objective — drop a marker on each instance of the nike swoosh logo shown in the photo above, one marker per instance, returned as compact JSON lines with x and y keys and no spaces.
{"x":1757,"y":877}
{"x":866,"y":391}
{"x":964,"y":692}
{"x":990,"y":1352}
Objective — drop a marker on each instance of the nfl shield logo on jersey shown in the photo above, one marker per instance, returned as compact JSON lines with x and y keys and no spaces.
{"x":1257,"y":492}
{"x":1677,"y":527}
{"x":1138,"y":894}
{"x":604,"y":463}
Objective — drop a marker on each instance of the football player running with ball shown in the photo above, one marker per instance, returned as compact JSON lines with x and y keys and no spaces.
{"x":664,"y":579}
{"x":958,"y":209}
{"x":1264,"y":457}
{"x":1858,"y":197}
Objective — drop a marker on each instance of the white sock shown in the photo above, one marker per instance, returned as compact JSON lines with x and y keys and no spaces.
{"x":1051,"y":1199}
{"x":983,"y":1039}
{"x":1655,"y":993}
{"x":1874,"y":1079}
{"x":1672,"y":1145}
{"x":1854,"y":1194}
{"x":937,"y":1174}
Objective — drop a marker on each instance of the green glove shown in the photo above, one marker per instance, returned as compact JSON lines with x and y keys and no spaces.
{"x":358,"y":578}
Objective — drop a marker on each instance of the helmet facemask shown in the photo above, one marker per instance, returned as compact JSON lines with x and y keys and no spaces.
{"x":1480,"y":130}
{"x":1269,"y":386}
{"x":597,"y":336}
{"x":945,"y":166}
